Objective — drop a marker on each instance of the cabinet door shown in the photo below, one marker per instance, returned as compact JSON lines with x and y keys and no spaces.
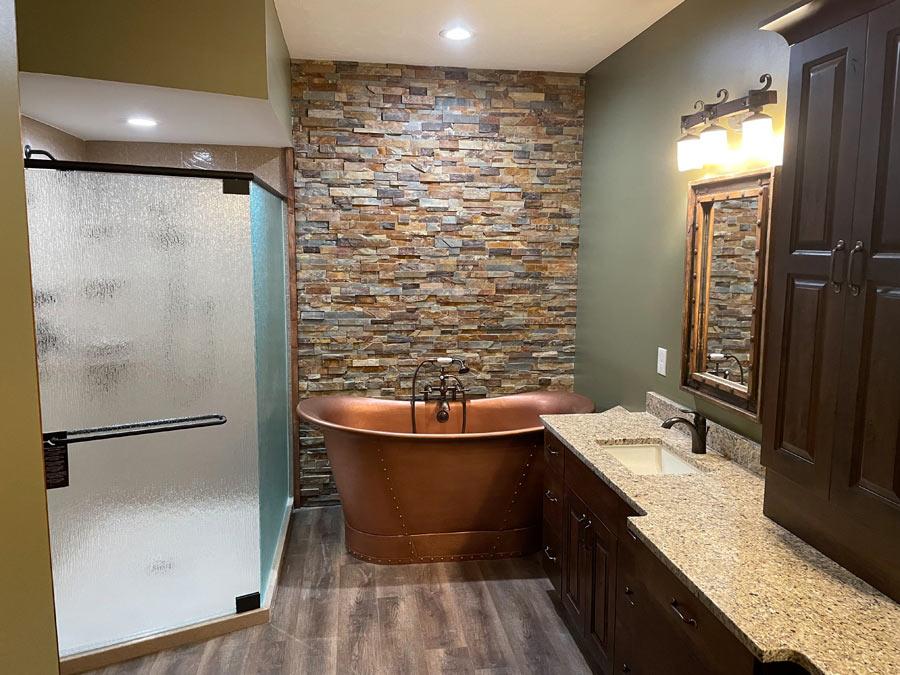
{"x":600,"y":558}
{"x":814,"y":208}
{"x":866,"y":467}
{"x":573,"y":573}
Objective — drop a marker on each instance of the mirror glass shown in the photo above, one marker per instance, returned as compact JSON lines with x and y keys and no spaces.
{"x":725,"y":271}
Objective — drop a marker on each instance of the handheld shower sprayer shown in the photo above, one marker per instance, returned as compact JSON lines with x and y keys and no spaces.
{"x":446,"y":392}
{"x":445,"y":361}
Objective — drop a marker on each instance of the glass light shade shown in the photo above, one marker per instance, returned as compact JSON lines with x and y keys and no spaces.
{"x":689,"y":153}
{"x":714,"y":144}
{"x":759,"y":138}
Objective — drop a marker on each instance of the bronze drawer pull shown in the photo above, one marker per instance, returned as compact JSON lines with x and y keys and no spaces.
{"x":581,"y":519}
{"x":550,"y":497}
{"x":629,"y":591}
{"x":854,"y":288}
{"x":551,"y":450}
{"x":681,"y":615}
{"x":551,"y":558}
{"x":840,"y":246}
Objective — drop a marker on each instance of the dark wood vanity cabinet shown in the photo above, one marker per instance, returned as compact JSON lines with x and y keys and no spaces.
{"x":662,"y":628}
{"x":554,"y":515}
{"x":831,"y":415}
{"x":627,"y":611}
{"x":588,"y":580}
{"x":583,"y":566}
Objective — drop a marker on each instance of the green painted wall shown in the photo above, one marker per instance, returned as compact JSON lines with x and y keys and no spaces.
{"x":634,"y":201}
{"x":27,"y":624}
{"x":231,"y":47}
{"x":202,"y":45}
{"x":278,"y":72}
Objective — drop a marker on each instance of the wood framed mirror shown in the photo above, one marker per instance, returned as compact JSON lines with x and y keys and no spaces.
{"x":724,"y":291}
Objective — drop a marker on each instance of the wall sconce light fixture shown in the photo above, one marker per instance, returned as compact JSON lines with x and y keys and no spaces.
{"x":690,"y":155}
{"x":711,"y":146}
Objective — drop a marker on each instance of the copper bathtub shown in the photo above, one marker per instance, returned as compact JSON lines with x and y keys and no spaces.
{"x":438,"y":494}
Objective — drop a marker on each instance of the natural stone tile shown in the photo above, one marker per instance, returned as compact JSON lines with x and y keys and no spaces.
{"x":437,"y":211}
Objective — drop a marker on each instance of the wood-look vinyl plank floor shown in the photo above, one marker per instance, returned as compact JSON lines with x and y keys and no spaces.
{"x":336,"y":614}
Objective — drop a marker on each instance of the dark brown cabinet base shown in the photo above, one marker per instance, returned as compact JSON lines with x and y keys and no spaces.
{"x":831,"y":414}
{"x":627,"y":611}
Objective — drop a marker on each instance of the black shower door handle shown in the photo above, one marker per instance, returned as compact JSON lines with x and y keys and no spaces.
{"x":56,"y":443}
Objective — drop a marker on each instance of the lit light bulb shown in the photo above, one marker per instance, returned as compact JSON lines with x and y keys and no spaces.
{"x":759,"y":139}
{"x":141,"y":122}
{"x":714,"y":144}
{"x":456,"y":33}
{"x":690,"y":156}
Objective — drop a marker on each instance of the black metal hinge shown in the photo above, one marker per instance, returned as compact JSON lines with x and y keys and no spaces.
{"x":56,"y":460}
{"x":235,"y":186}
{"x":246,"y":603}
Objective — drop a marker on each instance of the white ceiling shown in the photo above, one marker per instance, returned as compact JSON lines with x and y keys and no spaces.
{"x":561,"y":35}
{"x":97,"y":110}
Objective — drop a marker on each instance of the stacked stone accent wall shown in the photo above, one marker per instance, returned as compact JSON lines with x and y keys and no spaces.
{"x":731,"y":282}
{"x":437,"y":212}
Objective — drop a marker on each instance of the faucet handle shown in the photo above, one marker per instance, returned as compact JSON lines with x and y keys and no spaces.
{"x":699,"y":418}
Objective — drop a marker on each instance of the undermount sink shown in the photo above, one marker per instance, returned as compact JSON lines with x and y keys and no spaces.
{"x":650,"y":459}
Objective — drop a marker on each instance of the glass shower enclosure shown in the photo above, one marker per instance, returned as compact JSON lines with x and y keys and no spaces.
{"x":159,"y":297}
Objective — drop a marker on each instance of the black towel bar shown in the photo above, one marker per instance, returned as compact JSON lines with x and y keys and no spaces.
{"x":56,"y":443}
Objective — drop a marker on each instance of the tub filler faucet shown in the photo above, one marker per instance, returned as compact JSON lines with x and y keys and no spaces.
{"x":448,"y":388}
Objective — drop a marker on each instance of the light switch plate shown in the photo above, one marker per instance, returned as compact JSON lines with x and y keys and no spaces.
{"x":661,"y":361}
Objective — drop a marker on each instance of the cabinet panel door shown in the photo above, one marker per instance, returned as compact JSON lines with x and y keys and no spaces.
{"x":866,"y":469}
{"x":814,"y":208}
{"x":600,"y":556}
{"x":573,"y":581}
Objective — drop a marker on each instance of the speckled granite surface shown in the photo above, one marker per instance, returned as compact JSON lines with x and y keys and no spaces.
{"x":726,"y":442}
{"x":781,"y":597}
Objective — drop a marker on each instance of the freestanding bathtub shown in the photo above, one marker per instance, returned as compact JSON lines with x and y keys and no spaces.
{"x":438,"y":494}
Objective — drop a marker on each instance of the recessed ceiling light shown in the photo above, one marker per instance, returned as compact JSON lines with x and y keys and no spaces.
{"x":141,"y":122}
{"x":456,"y":33}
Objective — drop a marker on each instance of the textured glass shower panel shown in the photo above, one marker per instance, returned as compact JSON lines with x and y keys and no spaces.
{"x":267,"y":215}
{"x":143,"y":307}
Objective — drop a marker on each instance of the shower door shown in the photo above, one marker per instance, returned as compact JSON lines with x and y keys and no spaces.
{"x":143,"y":298}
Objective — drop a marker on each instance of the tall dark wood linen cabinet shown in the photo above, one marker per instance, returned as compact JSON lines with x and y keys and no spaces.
{"x":831,"y":391}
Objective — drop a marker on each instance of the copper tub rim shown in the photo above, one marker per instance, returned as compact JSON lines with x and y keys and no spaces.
{"x":319,"y":422}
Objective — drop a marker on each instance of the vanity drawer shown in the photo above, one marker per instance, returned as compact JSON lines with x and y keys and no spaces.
{"x":554,"y":451}
{"x":645,"y":644}
{"x":551,"y":555}
{"x":661,"y":599}
{"x":553,"y":501}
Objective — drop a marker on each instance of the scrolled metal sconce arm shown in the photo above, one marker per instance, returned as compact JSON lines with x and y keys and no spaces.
{"x":725,"y":107}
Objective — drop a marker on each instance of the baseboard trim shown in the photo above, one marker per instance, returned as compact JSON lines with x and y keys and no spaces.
{"x":278,"y":558}
{"x":125,"y":651}
{"x":178,"y":637}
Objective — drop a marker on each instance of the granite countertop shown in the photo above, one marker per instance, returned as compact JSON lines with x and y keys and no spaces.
{"x":778,"y":595}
